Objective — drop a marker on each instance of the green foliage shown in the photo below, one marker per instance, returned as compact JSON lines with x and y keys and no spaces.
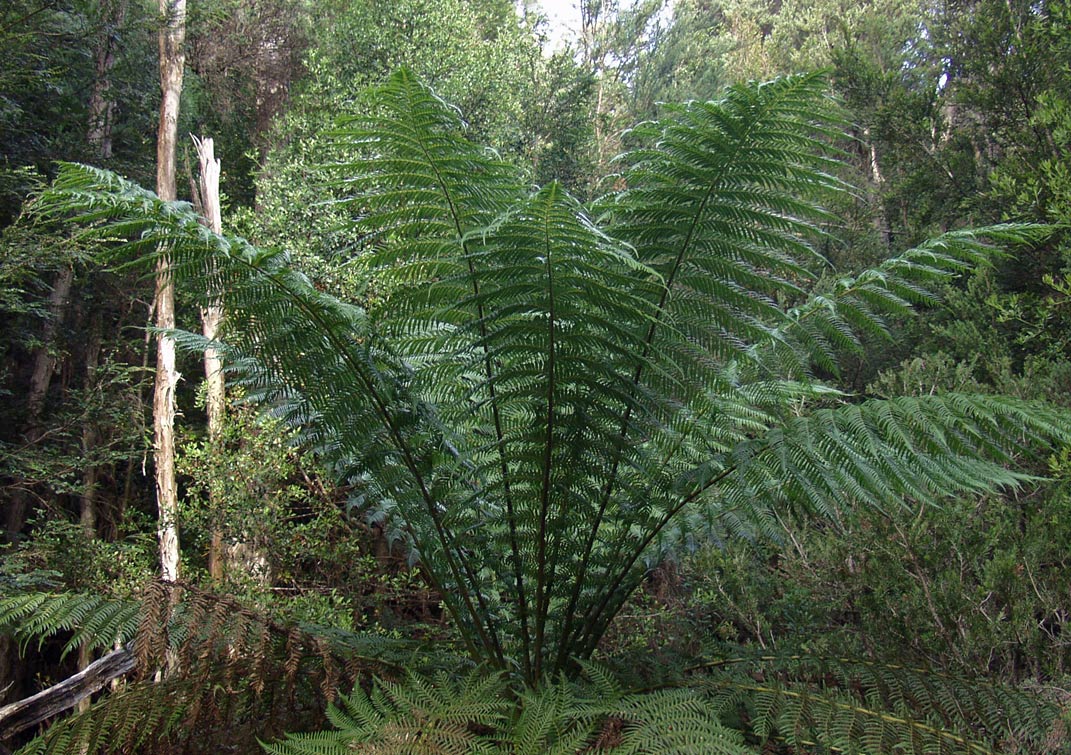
{"x":976,"y":585}
{"x":246,"y":484}
{"x":709,"y":44}
{"x":254,"y":488}
{"x":546,"y":401}
{"x":79,"y":561}
{"x":475,"y":54}
{"x":832,"y":705}
{"x":46,"y":73}
{"x":47,"y":460}
{"x":481,"y":714}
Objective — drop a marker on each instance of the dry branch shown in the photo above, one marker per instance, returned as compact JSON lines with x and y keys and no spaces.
{"x":23,"y":714}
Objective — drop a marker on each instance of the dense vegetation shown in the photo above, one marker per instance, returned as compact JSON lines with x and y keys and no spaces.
{"x":558,"y":418}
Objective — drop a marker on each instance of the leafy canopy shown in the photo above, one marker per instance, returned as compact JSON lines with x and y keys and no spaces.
{"x":545,"y":396}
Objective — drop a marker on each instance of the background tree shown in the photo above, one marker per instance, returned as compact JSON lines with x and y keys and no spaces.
{"x":206,"y":199}
{"x":69,"y":445}
{"x":172,"y":63}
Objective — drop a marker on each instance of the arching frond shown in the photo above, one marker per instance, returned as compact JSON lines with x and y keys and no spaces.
{"x":889,"y":454}
{"x":722,"y":204}
{"x":844,"y":705}
{"x":206,"y":666}
{"x":97,"y":620}
{"x":837,"y":317}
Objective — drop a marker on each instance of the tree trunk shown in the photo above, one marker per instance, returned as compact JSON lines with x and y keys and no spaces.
{"x":44,"y":359}
{"x":172,"y":61}
{"x":90,"y":436}
{"x":90,"y":440}
{"x":164,"y":429}
{"x":44,"y":365}
{"x":877,"y":188}
{"x":211,"y":315}
{"x":101,"y":103}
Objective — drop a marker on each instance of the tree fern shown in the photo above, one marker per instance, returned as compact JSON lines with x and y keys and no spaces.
{"x":547,"y":395}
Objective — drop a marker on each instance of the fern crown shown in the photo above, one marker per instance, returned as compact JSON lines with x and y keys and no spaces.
{"x":545,"y":396}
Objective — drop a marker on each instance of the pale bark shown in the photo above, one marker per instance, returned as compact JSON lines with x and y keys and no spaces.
{"x":211,"y":315}
{"x":164,"y":428}
{"x":25,"y":714}
{"x":172,"y":62}
{"x":877,"y":187}
{"x":242,"y":555}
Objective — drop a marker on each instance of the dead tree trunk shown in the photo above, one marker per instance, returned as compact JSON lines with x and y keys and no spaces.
{"x":24,"y":714}
{"x":211,"y":315}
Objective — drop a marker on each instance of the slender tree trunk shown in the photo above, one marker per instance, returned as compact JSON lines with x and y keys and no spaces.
{"x":211,"y":315}
{"x":172,"y":61}
{"x":101,"y":103}
{"x":594,"y":17}
{"x":90,"y":437}
{"x":877,"y":188}
{"x":99,"y":137}
{"x":241,"y":555}
{"x":44,"y":365}
{"x":131,"y":465}
{"x":44,"y":360}
{"x":164,"y":429}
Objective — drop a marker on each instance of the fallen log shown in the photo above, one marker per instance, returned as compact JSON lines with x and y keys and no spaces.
{"x":22,"y":714}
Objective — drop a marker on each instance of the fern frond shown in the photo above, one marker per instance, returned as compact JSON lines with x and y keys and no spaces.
{"x":850,"y":705}
{"x":93,"y":619}
{"x":844,"y":310}
{"x":222,"y":666}
{"x":418,"y":716}
{"x":889,"y":453}
{"x":675,"y":721}
{"x":721,"y":206}
{"x":556,"y":719}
